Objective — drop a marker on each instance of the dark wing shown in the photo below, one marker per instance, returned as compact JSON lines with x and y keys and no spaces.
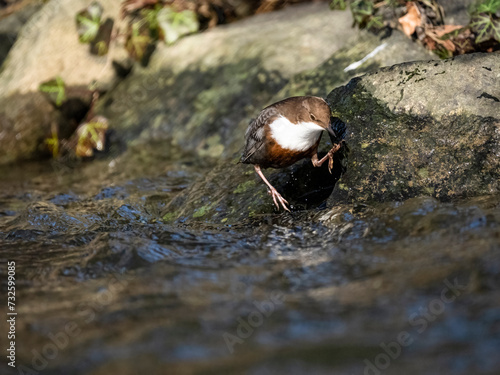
{"x":254,"y":136}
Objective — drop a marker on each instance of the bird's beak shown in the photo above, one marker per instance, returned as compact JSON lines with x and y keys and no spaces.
{"x":330,"y":131}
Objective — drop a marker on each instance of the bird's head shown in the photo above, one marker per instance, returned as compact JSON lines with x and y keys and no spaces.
{"x":316,"y":110}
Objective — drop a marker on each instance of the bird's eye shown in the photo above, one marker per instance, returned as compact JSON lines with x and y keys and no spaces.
{"x":313,"y":117}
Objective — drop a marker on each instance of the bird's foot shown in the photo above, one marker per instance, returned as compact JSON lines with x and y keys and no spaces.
{"x":330,"y":156}
{"x":330,"y":165}
{"x":278,"y":198}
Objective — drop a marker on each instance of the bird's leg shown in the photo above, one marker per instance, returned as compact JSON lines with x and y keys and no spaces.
{"x":274,"y":193}
{"x":328,"y":156}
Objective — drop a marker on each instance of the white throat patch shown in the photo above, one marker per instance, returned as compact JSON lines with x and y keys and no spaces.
{"x":297,"y":137}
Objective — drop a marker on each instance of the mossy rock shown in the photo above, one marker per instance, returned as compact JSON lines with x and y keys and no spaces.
{"x":422,"y":128}
{"x":233,"y":193}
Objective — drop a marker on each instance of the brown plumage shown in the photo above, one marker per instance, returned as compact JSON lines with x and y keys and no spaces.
{"x":286,"y":132}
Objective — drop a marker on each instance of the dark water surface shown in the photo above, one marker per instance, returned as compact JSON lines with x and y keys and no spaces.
{"x":105,"y":287}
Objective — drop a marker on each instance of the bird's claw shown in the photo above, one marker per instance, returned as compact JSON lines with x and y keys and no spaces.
{"x":278,"y":198}
{"x":330,"y":156}
{"x":330,"y":160}
{"x":330,"y":164}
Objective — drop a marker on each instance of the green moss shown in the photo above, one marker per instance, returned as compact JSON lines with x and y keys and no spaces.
{"x":320,"y":80}
{"x":169,"y":217}
{"x":423,"y":172}
{"x":202,"y":211}
{"x":429,"y":190}
{"x":243,"y":187}
{"x":342,"y":186}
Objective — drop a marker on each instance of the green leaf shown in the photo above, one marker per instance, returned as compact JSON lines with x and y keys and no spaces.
{"x":174,"y":25}
{"x":150,"y":16}
{"x":56,"y":89}
{"x":91,"y":136}
{"x":486,"y":27}
{"x":486,"y":6}
{"x":53,"y":144}
{"x":362,"y":7}
{"x":375,"y":22}
{"x":138,"y":40}
{"x":88,"y":21}
{"x":338,"y":5}
{"x":362,"y":10}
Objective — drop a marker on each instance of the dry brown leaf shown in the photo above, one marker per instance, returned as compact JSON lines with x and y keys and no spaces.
{"x":430,"y":43}
{"x":464,"y":42}
{"x":445,"y":29}
{"x":411,"y":20}
{"x":436,"y":33}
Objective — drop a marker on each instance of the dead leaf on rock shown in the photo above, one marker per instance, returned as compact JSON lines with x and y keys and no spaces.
{"x":464,"y":41}
{"x":411,"y":20}
{"x":446,"y":29}
{"x":436,"y":36}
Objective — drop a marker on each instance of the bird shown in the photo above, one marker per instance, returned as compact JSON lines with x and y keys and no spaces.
{"x":288,"y":131}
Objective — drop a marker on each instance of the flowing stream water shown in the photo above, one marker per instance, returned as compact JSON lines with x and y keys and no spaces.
{"x":104,"y":286}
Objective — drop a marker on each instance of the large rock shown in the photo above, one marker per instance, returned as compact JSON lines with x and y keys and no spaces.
{"x":25,"y":123}
{"x":456,"y":11}
{"x":201,"y":92}
{"x":428,"y":128}
{"x":11,"y":25}
{"x":48,"y":46}
{"x":205,"y":104}
{"x":231,"y":193}
{"x":289,"y":41}
{"x":423,"y":128}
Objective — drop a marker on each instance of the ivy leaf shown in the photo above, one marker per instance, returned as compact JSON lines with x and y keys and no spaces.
{"x":488,"y":6}
{"x":139,"y":40}
{"x":375,"y":23}
{"x":174,"y":25}
{"x":100,"y":45}
{"x":150,"y":16}
{"x":486,"y":27}
{"x":56,"y":90}
{"x":337,"y":5}
{"x":88,"y":22}
{"x":361,"y":10}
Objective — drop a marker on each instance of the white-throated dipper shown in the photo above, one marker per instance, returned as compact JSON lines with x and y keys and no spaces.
{"x":288,"y":131}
